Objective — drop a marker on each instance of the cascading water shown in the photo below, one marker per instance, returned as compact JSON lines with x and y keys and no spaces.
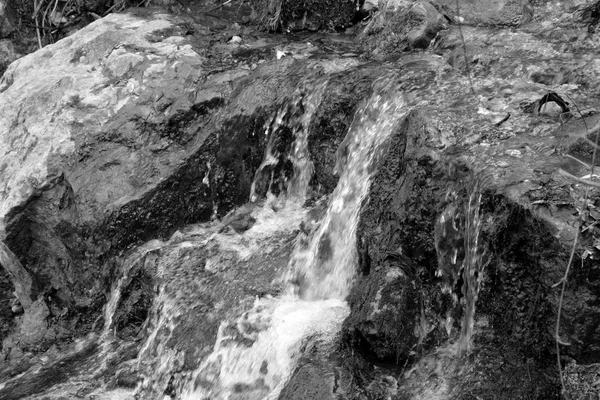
{"x":257,"y":345}
{"x":294,"y":116}
{"x":130,"y":262}
{"x":460,"y":252}
{"x":317,"y":281}
{"x":293,"y":120}
{"x":325,"y":268}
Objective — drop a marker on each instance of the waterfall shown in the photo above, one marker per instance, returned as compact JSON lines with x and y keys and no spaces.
{"x":277,"y":217}
{"x":258,"y":343}
{"x":318,"y":277}
{"x":460,"y":251}
{"x":110,"y":308}
{"x":325,"y":268}
{"x":295,"y":117}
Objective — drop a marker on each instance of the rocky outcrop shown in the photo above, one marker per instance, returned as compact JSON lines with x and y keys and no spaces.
{"x":344,"y":93}
{"x":130,"y":133}
{"x":530,"y":213}
{"x":401,"y":26}
{"x":139,"y":129}
{"x":136,"y":129}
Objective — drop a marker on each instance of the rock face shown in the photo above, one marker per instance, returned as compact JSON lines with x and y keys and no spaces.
{"x":505,"y":13}
{"x":386,"y":315}
{"x":144,"y":123}
{"x":136,"y":128}
{"x":129,"y":133}
{"x":525,"y":231}
{"x":401,"y":26}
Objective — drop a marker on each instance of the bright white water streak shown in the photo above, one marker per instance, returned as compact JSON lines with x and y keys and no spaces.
{"x":319,"y":277}
{"x":115,"y":294}
{"x":326,"y":267}
{"x":297,"y":115}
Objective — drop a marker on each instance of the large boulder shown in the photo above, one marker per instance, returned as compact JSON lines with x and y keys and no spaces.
{"x":121,"y":133}
{"x":386,"y":315}
{"x":139,"y":124}
{"x":516,"y":138}
{"x":401,"y":26}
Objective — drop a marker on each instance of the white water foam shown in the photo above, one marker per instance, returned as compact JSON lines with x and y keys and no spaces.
{"x":255,"y":355}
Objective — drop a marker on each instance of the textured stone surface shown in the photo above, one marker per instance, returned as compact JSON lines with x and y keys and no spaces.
{"x":386,"y":310}
{"x":128,"y":134}
{"x":34,"y":324}
{"x":7,"y":19}
{"x":401,"y":26}
{"x":503,"y":13}
{"x":399,"y":340}
{"x":88,"y":82}
{"x":8,"y":53}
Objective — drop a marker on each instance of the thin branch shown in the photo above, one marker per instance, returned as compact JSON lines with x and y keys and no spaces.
{"x":219,"y":6}
{"x":579,"y":161}
{"x":578,"y":180}
{"x":39,"y":35}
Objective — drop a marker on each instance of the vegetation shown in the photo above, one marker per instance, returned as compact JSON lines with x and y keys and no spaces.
{"x":290,"y":15}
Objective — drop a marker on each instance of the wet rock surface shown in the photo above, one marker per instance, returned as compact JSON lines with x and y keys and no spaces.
{"x":145,"y":123}
{"x":95,"y":180}
{"x":402,"y":26}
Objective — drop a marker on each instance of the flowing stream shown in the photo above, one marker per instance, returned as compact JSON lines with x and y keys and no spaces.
{"x":318,"y":277}
{"x":257,"y":346}
{"x":460,"y":252}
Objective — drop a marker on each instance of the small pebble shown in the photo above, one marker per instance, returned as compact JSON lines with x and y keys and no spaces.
{"x":514,"y":153}
{"x":235,"y":40}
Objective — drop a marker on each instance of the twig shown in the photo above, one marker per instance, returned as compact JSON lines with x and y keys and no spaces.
{"x":579,"y":111}
{"x":579,"y":180}
{"x":37,"y":5}
{"x":503,"y":120}
{"x":39,"y":36}
{"x":562,"y":295}
{"x":219,"y":6}
{"x":109,"y":10}
{"x":578,"y":160}
{"x":53,"y":12}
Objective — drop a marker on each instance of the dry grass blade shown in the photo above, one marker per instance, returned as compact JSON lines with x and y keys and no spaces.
{"x":578,"y":180}
{"x":577,"y":160}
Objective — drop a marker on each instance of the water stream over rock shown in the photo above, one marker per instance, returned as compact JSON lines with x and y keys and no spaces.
{"x":460,"y":251}
{"x":212,"y":212}
{"x":255,"y":354}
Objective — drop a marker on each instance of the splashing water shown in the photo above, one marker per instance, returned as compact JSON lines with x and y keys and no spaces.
{"x":312,"y":308}
{"x":293,"y":120}
{"x":171,"y":304}
{"x":110,"y":308}
{"x":461,"y":254}
{"x":296,"y":116}
{"x":325,"y":268}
